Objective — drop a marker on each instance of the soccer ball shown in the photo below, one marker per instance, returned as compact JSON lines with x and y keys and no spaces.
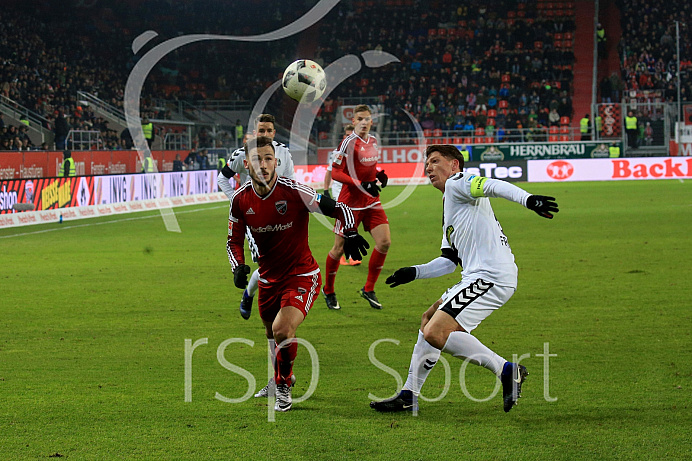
{"x":304,"y":81}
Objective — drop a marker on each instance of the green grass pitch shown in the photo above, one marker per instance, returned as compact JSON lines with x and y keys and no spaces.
{"x":94,"y":315}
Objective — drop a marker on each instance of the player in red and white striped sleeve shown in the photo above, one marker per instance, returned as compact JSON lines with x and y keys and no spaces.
{"x":276,"y":210}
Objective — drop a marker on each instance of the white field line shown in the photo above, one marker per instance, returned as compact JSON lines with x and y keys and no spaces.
{"x":107,"y":222}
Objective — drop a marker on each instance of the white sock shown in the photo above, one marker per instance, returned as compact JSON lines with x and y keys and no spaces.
{"x":272,"y":349}
{"x":423,"y":360}
{"x":253,"y":284}
{"x":466,"y":346}
{"x":271,"y":344}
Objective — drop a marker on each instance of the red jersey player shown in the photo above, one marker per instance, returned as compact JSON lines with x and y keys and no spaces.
{"x":356,"y":167}
{"x":276,"y":210}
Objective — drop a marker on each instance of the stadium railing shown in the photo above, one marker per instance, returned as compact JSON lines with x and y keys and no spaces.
{"x":84,"y":140}
{"x":479,"y":136}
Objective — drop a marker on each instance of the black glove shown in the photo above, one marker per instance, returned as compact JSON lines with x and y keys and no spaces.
{"x":355,"y":246}
{"x":371,"y":188}
{"x":544,"y":206}
{"x":326,"y":193}
{"x":401,"y":276}
{"x":382,"y":177}
{"x":240,"y":275}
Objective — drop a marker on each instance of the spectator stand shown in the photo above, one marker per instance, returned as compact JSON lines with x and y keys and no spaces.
{"x":38,"y":128}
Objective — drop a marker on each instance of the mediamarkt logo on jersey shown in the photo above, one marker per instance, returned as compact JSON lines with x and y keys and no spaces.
{"x":270,"y":228}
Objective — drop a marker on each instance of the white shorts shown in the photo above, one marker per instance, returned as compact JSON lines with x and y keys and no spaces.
{"x":251,"y":243}
{"x":471,"y":301}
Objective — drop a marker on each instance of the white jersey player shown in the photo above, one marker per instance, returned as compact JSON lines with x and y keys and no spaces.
{"x":472,"y":238}
{"x":336,"y":186}
{"x":235,"y":165}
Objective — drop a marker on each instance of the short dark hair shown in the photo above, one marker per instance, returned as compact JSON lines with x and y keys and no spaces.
{"x":362,"y":108}
{"x":448,"y":151}
{"x":265,"y":118}
{"x":256,"y":143}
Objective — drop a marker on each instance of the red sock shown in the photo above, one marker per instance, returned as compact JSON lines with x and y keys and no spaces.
{"x":332,"y":267}
{"x":374,"y":268}
{"x":284,"y":363}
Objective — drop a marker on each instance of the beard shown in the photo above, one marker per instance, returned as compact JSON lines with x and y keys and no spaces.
{"x":259,"y":179}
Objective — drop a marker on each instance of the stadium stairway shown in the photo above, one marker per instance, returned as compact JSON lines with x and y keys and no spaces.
{"x":583,"y":57}
{"x":609,"y":17}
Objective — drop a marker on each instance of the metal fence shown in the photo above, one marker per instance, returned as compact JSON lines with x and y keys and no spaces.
{"x":481,"y":136}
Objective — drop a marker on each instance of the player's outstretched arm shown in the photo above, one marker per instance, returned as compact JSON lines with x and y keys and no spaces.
{"x":355,"y":245}
{"x":401,"y":276}
{"x":543,"y":205}
{"x":443,"y":265}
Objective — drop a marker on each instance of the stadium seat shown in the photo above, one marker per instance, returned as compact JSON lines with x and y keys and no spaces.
{"x":492,"y":113}
{"x":506,"y":78}
{"x":437,"y":133}
{"x":432,"y":32}
{"x":427,"y":132}
{"x":564,"y":129}
{"x":480,"y":131}
{"x":538,"y":45}
{"x":564,"y":138}
{"x":491,"y":122}
{"x":564,"y":120}
{"x":503,"y":104}
{"x":457,"y":141}
{"x":553,"y":138}
{"x":553,"y":130}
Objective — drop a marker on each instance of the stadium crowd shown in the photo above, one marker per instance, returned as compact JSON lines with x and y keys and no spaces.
{"x":482,"y":64}
{"x":490,"y":66}
{"x":648,"y":47}
{"x":49,"y":52}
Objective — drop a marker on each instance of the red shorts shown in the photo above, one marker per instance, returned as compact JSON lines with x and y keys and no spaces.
{"x":370,"y":217}
{"x":299,"y":291}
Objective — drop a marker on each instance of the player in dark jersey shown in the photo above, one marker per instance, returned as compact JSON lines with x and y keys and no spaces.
{"x":276,"y":210}
{"x":355,"y":165}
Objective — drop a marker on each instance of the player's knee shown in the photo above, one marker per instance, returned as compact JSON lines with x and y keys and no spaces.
{"x":383,"y":245}
{"x":282,"y":333}
{"x":434,"y":337}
